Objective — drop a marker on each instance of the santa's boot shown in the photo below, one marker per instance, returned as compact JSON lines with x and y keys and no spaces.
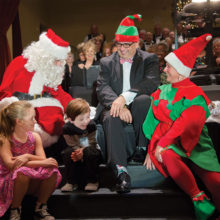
{"x":203,"y":207}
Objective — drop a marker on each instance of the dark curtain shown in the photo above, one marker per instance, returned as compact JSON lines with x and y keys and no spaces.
{"x":16,"y":37}
{"x":8,"y":11}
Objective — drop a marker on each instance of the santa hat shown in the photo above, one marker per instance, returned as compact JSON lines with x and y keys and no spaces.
{"x":183,"y":59}
{"x":54,"y":45}
{"x":127,"y":32}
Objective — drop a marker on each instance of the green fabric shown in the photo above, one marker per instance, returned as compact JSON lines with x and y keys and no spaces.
{"x":183,"y":104}
{"x":150,"y":123}
{"x":202,"y":153}
{"x":132,"y":17}
{"x":167,"y":92}
{"x":203,"y":209}
{"x":127,"y":30}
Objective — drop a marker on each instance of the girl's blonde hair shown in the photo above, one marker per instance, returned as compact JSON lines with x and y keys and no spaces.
{"x":77,"y":107}
{"x":8,"y":116}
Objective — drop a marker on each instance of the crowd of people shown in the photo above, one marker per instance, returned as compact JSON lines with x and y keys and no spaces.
{"x":143,"y":81}
{"x":160,"y":42}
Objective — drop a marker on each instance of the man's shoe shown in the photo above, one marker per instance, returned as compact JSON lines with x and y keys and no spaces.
{"x":123,"y":183}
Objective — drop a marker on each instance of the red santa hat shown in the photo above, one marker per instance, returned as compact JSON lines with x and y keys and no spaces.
{"x":127,"y":32}
{"x":54,"y":45}
{"x":183,"y":59}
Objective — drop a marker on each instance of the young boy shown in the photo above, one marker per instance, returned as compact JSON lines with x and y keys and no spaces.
{"x":82,"y":152}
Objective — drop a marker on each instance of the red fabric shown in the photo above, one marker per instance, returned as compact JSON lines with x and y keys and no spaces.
{"x":180,"y":173}
{"x":126,"y":38}
{"x":184,"y":178}
{"x":127,"y":22}
{"x":56,"y":39}
{"x":8,"y":11}
{"x":187,"y":127}
{"x":211,"y":181}
{"x":189,"y":90}
{"x":51,"y":119}
{"x":59,"y":94}
{"x":195,"y":47}
{"x":18,"y":79}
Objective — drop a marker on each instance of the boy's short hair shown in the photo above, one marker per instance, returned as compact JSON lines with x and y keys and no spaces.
{"x":76,"y":107}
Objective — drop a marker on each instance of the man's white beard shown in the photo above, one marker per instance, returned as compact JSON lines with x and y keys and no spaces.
{"x":40,"y":61}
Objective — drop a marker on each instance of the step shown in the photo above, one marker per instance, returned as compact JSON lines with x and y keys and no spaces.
{"x":105,"y":203}
{"x":140,"y":176}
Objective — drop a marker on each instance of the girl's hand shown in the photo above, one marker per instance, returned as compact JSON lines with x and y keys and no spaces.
{"x":158,"y":151}
{"x":19,"y":161}
{"x":148,"y":163}
{"x":49,"y":162}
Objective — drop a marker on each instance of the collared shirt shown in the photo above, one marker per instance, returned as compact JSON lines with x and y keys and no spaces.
{"x":129,"y":96}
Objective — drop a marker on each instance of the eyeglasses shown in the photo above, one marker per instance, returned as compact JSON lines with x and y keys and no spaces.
{"x":125,"y":45}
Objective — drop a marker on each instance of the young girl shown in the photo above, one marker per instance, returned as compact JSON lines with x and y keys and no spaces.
{"x":24,"y":168}
{"x":82,"y":152}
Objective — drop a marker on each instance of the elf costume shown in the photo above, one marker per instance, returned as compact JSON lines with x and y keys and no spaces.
{"x":176,"y":122}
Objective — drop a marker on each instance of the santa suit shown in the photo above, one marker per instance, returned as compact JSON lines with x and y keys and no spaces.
{"x":49,"y":110}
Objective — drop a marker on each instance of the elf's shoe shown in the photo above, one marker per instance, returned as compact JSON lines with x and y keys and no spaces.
{"x":203,"y":207}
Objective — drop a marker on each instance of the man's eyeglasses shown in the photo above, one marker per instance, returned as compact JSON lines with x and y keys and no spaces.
{"x":125,"y":45}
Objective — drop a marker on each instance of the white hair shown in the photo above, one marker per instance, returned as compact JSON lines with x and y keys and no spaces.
{"x":40,"y":60}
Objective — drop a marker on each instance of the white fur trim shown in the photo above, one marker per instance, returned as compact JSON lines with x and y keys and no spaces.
{"x":44,"y":102}
{"x":47,"y":139}
{"x":37,"y":83}
{"x":57,"y":51}
{"x":7,"y":101}
{"x":174,"y":61}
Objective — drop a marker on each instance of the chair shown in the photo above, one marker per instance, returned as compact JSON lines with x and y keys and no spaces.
{"x":201,"y":80}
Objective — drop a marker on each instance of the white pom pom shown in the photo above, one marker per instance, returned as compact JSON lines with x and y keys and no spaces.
{"x":209,"y":37}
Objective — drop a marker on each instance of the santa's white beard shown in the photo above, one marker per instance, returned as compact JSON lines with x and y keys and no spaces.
{"x":40,"y":61}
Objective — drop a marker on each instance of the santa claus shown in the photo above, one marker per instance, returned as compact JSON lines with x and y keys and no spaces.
{"x":36,"y":76}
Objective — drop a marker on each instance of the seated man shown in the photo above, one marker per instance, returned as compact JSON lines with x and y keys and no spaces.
{"x":126,"y":79}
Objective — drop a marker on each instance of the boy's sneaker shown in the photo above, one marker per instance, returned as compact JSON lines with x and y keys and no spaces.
{"x":15,"y":214}
{"x":69,"y":187}
{"x":92,"y":186}
{"x":42,"y":214}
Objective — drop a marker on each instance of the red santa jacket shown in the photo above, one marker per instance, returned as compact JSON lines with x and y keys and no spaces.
{"x":49,"y":110}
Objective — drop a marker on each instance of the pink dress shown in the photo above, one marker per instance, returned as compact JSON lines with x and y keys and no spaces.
{"x":7,"y":177}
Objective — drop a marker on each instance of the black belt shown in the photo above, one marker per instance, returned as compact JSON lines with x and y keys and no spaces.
{"x":26,"y":96}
